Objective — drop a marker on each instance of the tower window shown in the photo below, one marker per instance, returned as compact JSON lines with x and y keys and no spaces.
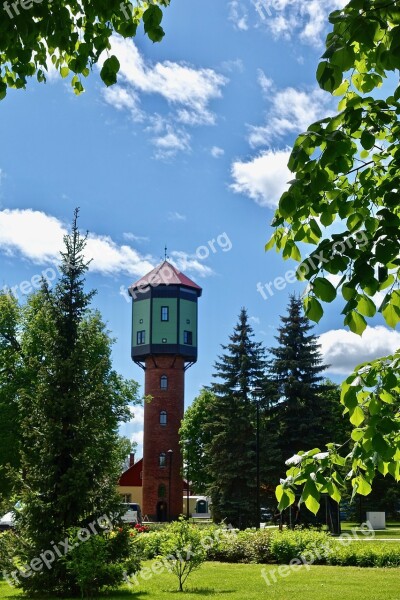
{"x":163,"y":417}
{"x":164,"y":313}
{"x":164,"y":382}
{"x":141,"y":337}
{"x":162,"y":491}
{"x":162,"y":460}
{"x":187,"y":338}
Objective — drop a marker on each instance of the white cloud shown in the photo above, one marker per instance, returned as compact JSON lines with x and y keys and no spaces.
{"x":176,"y":216}
{"x":264,"y":178}
{"x":233,"y":65}
{"x":137,"y":413}
{"x":186,"y":90}
{"x":38,"y":237}
{"x":307,"y":19}
{"x":124,"y":99}
{"x":217,"y":152}
{"x":238,"y":14}
{"x":344,"y":350}
{"x":265,"y":82}
{"x":291,"y":112}
{"x":171,"y":142}
{"x":255,"y":320}
{"x":190,"y":262}
{"x":131,"y":237}
{"x":137,"y":437}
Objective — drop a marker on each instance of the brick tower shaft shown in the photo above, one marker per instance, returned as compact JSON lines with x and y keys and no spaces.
{"x":162,"y":470}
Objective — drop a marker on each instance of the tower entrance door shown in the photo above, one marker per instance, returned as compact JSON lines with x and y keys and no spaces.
{"x":162,"y":511}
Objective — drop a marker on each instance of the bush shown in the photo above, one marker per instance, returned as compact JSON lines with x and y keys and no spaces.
{"x":103,"y":561}
{"x":288,"y":544}
{"x":266,"y":546}
{"x":242,"y":547}
{"x":364,"y":554}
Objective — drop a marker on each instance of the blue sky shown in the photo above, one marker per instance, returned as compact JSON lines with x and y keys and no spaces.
{"x":188,"y":150}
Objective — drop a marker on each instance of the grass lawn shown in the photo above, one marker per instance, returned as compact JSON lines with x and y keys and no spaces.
{"x":392,"y":531}
{"x":244,"y":582}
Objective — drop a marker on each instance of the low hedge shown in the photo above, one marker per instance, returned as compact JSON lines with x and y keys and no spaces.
{"x":273,"y":546}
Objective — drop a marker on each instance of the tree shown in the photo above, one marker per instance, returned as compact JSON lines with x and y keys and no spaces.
{"x":70,"y":403}
{"x":231,"y":453}
{"x":184,"y":549}
{"x":71,"y":36}
{"x":10,"y":381}
{"x":195,"y":437}
{"x":347,"y":170}
{"x":305,"y":414}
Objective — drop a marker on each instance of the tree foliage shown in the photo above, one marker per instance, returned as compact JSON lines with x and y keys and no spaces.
{"x":70,"y":403}
{"x":70,"y":36}
{"x":347,"y":171}
{"x":230,"y":425}
{"x":195,"y":438}
{"x":302,"y":410}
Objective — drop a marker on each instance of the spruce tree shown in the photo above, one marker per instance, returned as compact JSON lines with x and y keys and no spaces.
{"x":306,"y":413}
{"x":70,"y":405}
{"x":231,"y":453}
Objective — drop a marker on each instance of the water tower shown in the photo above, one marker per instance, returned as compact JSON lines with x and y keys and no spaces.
{"x":164,"y":344}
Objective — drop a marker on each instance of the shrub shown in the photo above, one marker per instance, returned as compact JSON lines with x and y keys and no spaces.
{"x":103,"y":561}
{"x":286,"y":545}
{"x":364,"y":554}
{"x":184,"y":549}
{"x":240,"y":547}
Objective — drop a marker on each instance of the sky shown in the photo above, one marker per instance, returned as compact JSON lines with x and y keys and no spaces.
{"x":188,"y":151}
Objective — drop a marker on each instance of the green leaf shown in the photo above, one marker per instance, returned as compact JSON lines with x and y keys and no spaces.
{"x":313,"y":309}
{"x":356,"y":322}
{"x":270,"y":244}
{"x":310,"y":496}
{"x":109,"y":71}
{"x":152,"y":18}
{"x":348,"y":291}
{"x":329,"y":76}
{"x":363,"y":487}
{"x":391,"y":314}
{"x":366,"y":306}
{"x":287,"y":205}
{"x":324,"y":289}
{"x":357,"y":434}
{"x":285,"y":497}
{"x":367,"y":140}
{"x":358,"y":416}
{"x":386,"y":397}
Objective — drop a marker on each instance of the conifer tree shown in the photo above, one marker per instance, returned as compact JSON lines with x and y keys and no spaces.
{"x":230,"y":422}
{"x":305,"y":413}
{"x":71,"y":403}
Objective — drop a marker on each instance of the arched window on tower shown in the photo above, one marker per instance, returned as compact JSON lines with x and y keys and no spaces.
{"x":162,"y":492}
{"x":163,"y":417}
{"x":162,"y":460}
{"x":164,"y":382}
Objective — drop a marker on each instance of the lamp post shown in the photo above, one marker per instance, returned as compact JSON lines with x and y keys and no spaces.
{"x":187,"y":480}
{"x":257,"y":392}
{"x":170,"y":454}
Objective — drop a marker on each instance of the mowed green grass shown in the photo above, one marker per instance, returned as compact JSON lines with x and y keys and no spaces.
{"x":244,"y":582}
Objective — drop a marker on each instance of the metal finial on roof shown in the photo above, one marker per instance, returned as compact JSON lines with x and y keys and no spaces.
{"x":165,"y":252}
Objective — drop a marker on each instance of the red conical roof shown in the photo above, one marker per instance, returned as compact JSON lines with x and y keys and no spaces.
{"x":165,"y":274}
